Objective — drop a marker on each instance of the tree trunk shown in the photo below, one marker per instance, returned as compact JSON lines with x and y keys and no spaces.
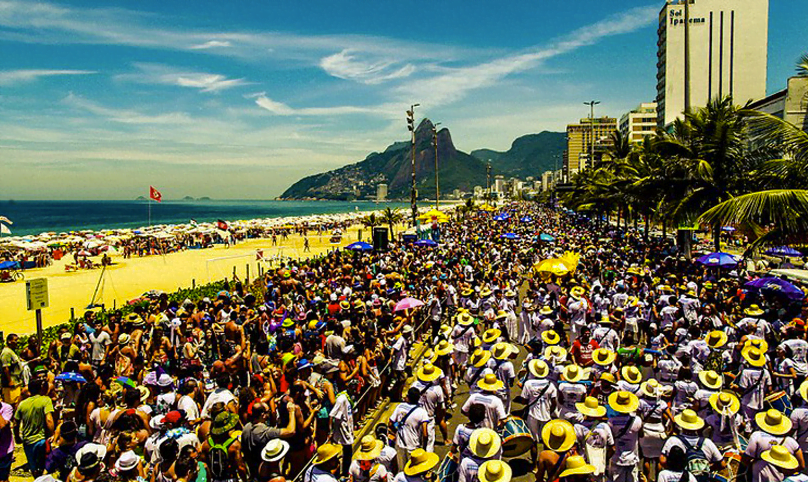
{"x":717,"y":236}
{"x":647,"y":223}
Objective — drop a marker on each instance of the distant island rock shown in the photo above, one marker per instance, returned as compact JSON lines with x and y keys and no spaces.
{"x":140,"y":198}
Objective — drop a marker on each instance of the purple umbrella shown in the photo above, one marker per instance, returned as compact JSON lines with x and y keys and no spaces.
{"x":783,"y":251}
{"x":407,"y":304}
{"x":426,"y":243}
{"x":777,"y":285}
{"x":718,"y":260}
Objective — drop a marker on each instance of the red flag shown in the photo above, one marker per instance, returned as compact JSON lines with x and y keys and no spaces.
{"x":155,"y":194}
{"x":221,"y":225}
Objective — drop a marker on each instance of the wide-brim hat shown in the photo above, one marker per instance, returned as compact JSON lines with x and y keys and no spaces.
{"x":490,"y":383}
{"x":464,"y":319}
{"x":420,"y":461}
{"x":369,"y":448}
{"x":624,"y":402}
{"x":509,"y":293}
{"x":90,"y":455}
{"x":479,"y":358}
{"x":711,"y":379}
{"x":326,"y":452}
{"x":274,"y":450}
{"x":501,"y":315}
{"x":591,"y":408}
{"x":650,"y":388}
{"x":494,"y":471}
{"x":550,"y":337}
{"x":501,"y":351}
{"x":467,"y":292}
{"x":555,"y":352}
{"x":576,"y":465}
{"x":753,"y":310}
{"x":577,"y":292}
{"x":486,"y":293}
{"x":774,"y":422}
{"x":546,"y":310}
{"x":573,"y":373}
{"x":689,"y":420}
{"x":223,"y":423}
{"x":444,"y":348}
{"x":780,"y":456}
{"x":716,"y":339}
{"x":631,"y":374}
{"x":538,"y":368}
{"x":429,"y":373}
{"x":558,"y":435}
{"x":490,"y":335}
{"x":603,"y":356}
{"x":763,"y":345}
{"x":725,"y":403}
{"x":485,"y":443}
{"x":124,"y":338}
{"x":804,"y":390}
{"x":754,"y":356}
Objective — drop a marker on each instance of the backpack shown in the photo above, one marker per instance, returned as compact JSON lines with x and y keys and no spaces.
{"x":697,"y":464}
{"x":220,"y":460}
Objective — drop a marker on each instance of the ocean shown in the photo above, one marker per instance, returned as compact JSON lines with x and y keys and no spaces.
{"x":34,"y":217}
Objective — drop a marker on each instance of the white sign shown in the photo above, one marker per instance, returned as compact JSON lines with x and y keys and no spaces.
{"x":36,"y":293}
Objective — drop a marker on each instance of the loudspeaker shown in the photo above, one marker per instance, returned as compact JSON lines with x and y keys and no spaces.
{"x":380,"y":239}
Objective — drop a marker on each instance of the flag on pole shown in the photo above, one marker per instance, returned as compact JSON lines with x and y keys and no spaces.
{"x":155,"y":194}
{"x":5,"y":220}
{"x":221,"y":225}
{"x":4,"y":229}
{"x":193,"y":222}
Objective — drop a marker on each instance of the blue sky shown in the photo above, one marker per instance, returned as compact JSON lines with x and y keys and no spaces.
{"x":101,"y":99}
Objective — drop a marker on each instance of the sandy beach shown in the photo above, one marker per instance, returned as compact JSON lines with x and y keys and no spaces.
{"x":129,"y":278}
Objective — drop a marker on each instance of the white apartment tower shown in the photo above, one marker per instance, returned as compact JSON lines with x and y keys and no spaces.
{"x":638,"y":123}
{"x":728,"y":53}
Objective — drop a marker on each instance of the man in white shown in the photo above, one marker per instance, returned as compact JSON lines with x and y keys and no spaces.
{"x":577,"y":306}
{"x":539,"y":395}
{"x":432,"y":399}
{"x":342,"y":427}
{"x":409,"y":422}
{"x":494,"y":408}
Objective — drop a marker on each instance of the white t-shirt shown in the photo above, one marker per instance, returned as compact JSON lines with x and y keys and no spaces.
{"x":671,"y":476}
{"x":799,"y":420}
{"x":760,"y":442}
{"x":190,"y":407}
{"x":409,"y":434}
{"x":494,"y":408}
{"x":754,"y":383}
{"x":708,"y":448}
{"x":342,"y":420}
{"x":430,"y":397}
{"x":219,"y":395}
{"x":546,"y":393}
{"x":378,"y":473}
{"x":400,"y":354}
{"x":626,"y":442}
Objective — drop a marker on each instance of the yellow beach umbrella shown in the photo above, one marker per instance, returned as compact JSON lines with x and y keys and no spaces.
{"x":435,"y":216}
{"x":556,"y":266}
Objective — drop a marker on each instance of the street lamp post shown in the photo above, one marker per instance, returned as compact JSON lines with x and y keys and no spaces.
{"x":437,"y":183}
{"x":411,"y":127}
{"x":591,"y":104}
{"x":488,"y":182}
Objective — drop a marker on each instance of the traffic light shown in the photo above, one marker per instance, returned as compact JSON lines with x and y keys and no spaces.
{"x":411,"y":120}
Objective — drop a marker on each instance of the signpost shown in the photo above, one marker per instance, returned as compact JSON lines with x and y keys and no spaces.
{"x":36,"y":297}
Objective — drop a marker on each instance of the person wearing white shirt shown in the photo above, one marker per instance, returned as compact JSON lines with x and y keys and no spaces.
{"x":539,"y":395}
{"x":342,"y":427}
{"x":494,"y":408}
{"x":410,"y":425}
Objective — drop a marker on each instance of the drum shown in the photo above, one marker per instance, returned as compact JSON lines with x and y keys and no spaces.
{"x":732,"y":466}
{"x":779,"y":401}
{"x":516,"y":437}
{"x":447,"y":472}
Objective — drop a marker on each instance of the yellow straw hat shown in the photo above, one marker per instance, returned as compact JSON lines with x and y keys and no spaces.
{"x":445,"y":330}
{"x":591,"y":408}
{"x":369,"y":448}
{"x":631,"y":374}
{"x":501,"y":351}
{"x":555,"y":352}
{"x":420,"y":461}
{"x":484,"y":443}
{"x":444,"y":348}
{"x":576,"y":465}
{"x":804,"y":390}
{"x":651,"y":388}
{"x":716,"y":339}
{"x":573,"y":373}
{"x":464,"y":319}
{"x":501,"y":315}
{"x":603,"y":356}
{"x":689,"y":420}
{"x":546,"y":310}
{"x":326,"y":452}
{"x":490,"y":383}
{"x":494,"y":471}
{"x":491,"y":335}
{"x":754,"y":356}
{"x":781,"y":457}
{"x":725,"y":402}
{"x":624,"y":402}
{"x":558,"y":435}
{"x":763,"y":345}
{"x":773,"y":422}
{"x":711,"y":379}
{"x":577,"y":292}
{"x":429,"y":373}
{"x":538,"y":368}
{"x":479,"y":358}
{"x":550,"y":337}
{"x":753,"y":310}
{"x":485,"y":293}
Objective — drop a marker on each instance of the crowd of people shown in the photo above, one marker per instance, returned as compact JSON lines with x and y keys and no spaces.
{"x":639,"y":364}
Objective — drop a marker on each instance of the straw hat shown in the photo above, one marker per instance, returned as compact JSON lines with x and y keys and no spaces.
{"x":591,"y":408}
{"x":773,"y":422}
{"x":429,"y":373}
{"x":464,"y":319}
{"x":603,"y":356}
{"x":326,"y":452}
{"x":558,"y":435}
{"x":623,"y":402}
{"x":490,"y":383}
{"x":485,"y":293}
{"x":607,"y":377}
{"x":501,"y":351}
{"x":494,"y":471}
{"x":510,"y":293}
{"x":689,"y":420}
{"x":577,"y":292}
{"x":781,"y":457}
{"x":550,"y":337}
{"x":429,"y":356}
{"x":605,"y":318}
{"x":754,"y":356}
{"x":538,"y":368}
{"x":546,"y":310}
{"x":369,"y":448}
{"x":631,"y":374}
{"x":573,"y":373}
{"x":711,"y":379}
{"x":753,"y":310}
{"x":274,"y":450}
{"x":467,"y":292}
{"x":444,"y":348}
{"x":650,"y":388}
{"x":804,"y":390}
{"x":123,"y":339}
{"x":555,"y":352}
{"x":763,"y":345}
{"x":725,"y":402}
{"x":576,"y":465}
{"x":716,"y":339}
{"x":445,"y":330}
{"x":484,"y":443}
{"x":491,"y":335}
{"x":479,"y":358}
{"x":502,"y":314}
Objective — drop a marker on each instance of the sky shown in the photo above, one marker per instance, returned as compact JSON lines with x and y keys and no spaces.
{"x":238,"y":100}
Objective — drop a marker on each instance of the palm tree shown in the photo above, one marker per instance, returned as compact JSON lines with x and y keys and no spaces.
{"x":802,"y":66}
{"x":391,"y":217}
{"x":370,"y":221}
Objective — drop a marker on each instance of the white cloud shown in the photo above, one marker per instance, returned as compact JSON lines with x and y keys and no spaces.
{"x":212,"y":44}
{"x":281,"y":109}
{"x":346,"y":65}
{"x":126,"y":116}
{"x":10,"y":77}
{"x":165,"y":75}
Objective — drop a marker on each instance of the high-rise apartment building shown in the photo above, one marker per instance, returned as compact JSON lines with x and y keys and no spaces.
{"x":728,"y":53}
{"x":580,"y":139}
{"x":640,"y":122}
{"x":381,"y":192}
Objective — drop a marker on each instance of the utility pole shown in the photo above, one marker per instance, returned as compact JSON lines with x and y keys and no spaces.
{"x":437,"y":183}
{"x":411,"y":127}
{"x":488,"y":181}
{"x":591,"y":104}
{"x":687,"y":55}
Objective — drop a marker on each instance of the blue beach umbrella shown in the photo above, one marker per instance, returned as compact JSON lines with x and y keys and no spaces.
{"x":526,"y":219}
{"x":71,"y":377}
{"x":426,"y":243}
{"x":501,"y":217}
{"x":546,"y":237}
{"x":776,"y":285}
{"x":509,"y":236}
{"x":728,"y":229}
{"x":783,"y":251}
{"x":359,"y":246}
{"x":718,"y":260}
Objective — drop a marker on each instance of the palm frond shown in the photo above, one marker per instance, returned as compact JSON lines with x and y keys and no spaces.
{"x":783,"y":209}
{"x":802,"y":66}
